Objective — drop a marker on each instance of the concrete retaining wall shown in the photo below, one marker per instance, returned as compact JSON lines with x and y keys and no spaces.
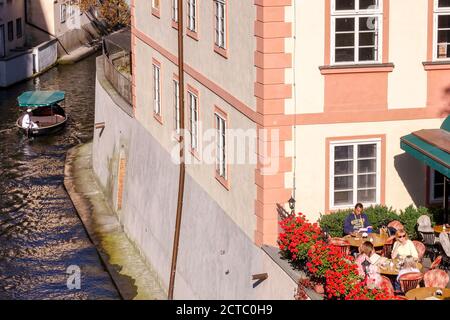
{"x":216,"y":258}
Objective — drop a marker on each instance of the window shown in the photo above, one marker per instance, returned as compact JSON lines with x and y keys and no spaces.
{"x":155,"y":8}
{"x":176,"y":103}
{"x":156,"y":90}
{"x":193,"y":107}
{"x":442,"y":29}
{"x":19,"y":28}
{"x":221,"y":161}
{"x":220,"y":14}
{"x":10,"y":31}
{"x":175,"y":10}
{"x":155,"y":4}
{"x":192,"y":15}
{"x":63,"y":12}
{"x":436,"y":186}
{"x":355,"y":173}
{"x":356,"y":27}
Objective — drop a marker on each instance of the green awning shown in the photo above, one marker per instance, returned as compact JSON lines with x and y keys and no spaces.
{"x":40,"y":98}
{"x":432,"y":153}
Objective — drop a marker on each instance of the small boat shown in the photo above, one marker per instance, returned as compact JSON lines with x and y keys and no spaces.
{"x":44,"y":114}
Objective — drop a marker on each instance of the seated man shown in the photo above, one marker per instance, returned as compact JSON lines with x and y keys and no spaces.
{"x":356,"y":220}
{"x":27,"y":123}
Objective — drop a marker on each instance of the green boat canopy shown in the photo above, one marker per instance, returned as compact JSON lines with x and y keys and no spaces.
{"x":36,"y":99}
{"x":432,"y":147}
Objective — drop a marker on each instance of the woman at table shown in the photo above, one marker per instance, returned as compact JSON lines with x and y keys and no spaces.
{"x":371,"y":271}
{"x":403,"y":247}
{"x":409,"y":266}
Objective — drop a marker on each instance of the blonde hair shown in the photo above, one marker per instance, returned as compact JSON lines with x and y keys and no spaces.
{"x":409,"y":263}
{"x":401,"y":232}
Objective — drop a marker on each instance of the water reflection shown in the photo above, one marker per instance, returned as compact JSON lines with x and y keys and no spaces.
{"x":40,"y":233}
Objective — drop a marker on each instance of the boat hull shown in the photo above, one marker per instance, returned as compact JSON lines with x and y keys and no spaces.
{"x":46,"y":124}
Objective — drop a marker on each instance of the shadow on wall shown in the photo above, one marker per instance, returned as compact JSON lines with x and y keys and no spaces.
{"x":412,"y":174}
{"x":446,"y":108}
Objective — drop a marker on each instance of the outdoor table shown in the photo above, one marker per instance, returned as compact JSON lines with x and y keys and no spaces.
{"x":393,"y":271}
{"x":439,"y":229}
{"x":378,"y":241}
{"x":428,"y":294}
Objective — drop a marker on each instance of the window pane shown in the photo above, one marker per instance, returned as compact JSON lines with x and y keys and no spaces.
{"x":367,"y":181}
{"x":367,"y":38}
{"x":343,"y":198}
{"x":367,"y":151}
{"x":343,"y":167}
{"x":367,"y":54}
{"x":443,"y":50}
{"x":438,"y":177}
{"x":343,"y":152}
{"x":345,"y":39}
{"x":443,"y":21}
{"x":439,"y":191}
{"x":444,"y":3}
{"x":343,"y":183}
{"x":345,"y":55}
{"x":368,"y":24}
{"x":367,"y":166}
{"x":444,"y":36}
{"x":367,"y":195}
{"x":345,"y":24}
{"x":368,"y":4}
{"x":345,"y":4}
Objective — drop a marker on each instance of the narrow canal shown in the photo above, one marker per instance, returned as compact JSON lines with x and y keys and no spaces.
{"x":41,"y":235}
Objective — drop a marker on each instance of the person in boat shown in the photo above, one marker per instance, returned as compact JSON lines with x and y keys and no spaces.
{"x":27,"y":123}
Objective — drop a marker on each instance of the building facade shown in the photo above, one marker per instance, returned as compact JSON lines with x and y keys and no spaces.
{"x":61,"y":19}
{"x":12,"y":20}
{"x":301,"y":98}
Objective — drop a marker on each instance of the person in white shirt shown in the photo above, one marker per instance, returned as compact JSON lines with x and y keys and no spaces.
{"x":403,"y":247}
{"x":27,"y":123}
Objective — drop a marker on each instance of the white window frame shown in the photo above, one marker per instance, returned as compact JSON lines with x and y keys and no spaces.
{"x":63,"y":12}
{"x":438,"y":12}
{"x":192,"y":15}
{"x":157,"y":89}
{"x":220,"y":23}
{"x":193,"y":119}
{"x":355,"y":144}
{"x":221,"y":147}
{"x":176,"y":104}
{"x":433,"y":198}
{"x":356,"y":14}
{"x":175,"y":11}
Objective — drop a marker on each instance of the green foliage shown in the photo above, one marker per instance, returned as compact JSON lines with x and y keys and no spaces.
{"x":379,"y":216}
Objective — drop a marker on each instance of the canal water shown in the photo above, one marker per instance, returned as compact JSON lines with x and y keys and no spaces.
{"x":42,"y":240}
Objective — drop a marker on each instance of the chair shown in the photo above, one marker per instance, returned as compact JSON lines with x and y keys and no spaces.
{"x":429,"y":240}
{"x":387,"y":284}
{"x":436,"y":278}
{"x":342,"y":244}
{"x":387,"y":247}
{"x":420,"y":247}
{"x":445,"y":245}
{"x":436,"y":263}
{"x":397,"y":225}
{"x":409,"y":281}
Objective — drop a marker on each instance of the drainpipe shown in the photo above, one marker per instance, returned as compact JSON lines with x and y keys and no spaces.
{"x":176,"y":238}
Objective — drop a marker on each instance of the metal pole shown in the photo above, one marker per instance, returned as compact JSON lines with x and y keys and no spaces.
{"x":176,"y":239}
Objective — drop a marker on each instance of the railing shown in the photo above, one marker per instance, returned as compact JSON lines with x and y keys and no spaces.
{"x":121,"y":81}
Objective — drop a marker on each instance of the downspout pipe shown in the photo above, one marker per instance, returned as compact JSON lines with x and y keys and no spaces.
{"x":39,"y":28}
{"x":176,"y":240}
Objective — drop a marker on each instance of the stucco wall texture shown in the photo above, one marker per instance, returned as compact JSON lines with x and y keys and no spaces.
{"x":216,"y":258}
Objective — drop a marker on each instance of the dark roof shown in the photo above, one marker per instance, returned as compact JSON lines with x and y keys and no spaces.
{"x":121,"y":39}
